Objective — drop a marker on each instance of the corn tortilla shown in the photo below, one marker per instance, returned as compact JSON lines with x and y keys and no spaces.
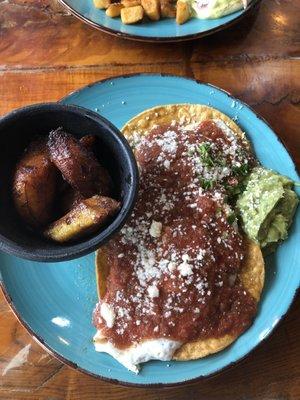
{"x":252,"y":273}
{"x":183,"y":114}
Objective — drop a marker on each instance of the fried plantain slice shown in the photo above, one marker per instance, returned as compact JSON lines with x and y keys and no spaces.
{"x":89,"y":142}
{"x":86,"y":217}
{"x":68,"y":196}
{"x":79,"y":166}
{"x":34,"y":185}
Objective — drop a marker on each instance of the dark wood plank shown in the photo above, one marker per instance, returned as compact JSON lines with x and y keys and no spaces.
{"x":272,"y":31}
{"x":46,"y":53}
{"x":272,"y":87}
{"x":28,"y":27}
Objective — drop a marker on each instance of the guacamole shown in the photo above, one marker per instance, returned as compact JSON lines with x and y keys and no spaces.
{"x":210,"y":9}
{"x":267,"y":207}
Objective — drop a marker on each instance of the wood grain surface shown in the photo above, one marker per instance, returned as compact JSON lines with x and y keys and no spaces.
{"x":44,"y":54}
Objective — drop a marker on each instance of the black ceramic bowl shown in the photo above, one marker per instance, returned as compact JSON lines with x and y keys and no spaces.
{"x":16,"y":131}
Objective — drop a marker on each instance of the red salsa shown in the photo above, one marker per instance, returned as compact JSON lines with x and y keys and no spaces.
{"x":174,"y":266}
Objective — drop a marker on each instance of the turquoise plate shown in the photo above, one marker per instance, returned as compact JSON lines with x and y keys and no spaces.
{"x":165,"y":30}
{"x":55,"y":301}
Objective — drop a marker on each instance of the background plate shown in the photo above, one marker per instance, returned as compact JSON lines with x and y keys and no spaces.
{"x":55,"y":301}
{"x":165,"y":30}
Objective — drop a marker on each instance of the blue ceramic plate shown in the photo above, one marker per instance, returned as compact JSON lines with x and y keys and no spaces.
{"x":165,"y":30}
{"x":55,"y":301}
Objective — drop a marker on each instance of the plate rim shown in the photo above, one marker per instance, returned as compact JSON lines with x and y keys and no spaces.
{"x":76,"y":367}
{"x":159,"y":39}
{"x":219,"y":371}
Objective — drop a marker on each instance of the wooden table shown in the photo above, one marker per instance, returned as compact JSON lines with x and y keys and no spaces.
{"x":46,"y":53}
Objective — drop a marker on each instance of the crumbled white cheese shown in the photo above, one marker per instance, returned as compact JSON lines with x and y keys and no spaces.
{"x":185,"y":257}
{"x":225,"y":129}
{"x":168,"y":142}
{"x":167,"y":164}
{"x":171,"y":266}
{"x":185,"y":269}
{"x":155,"y":229}
{"x":201,"y":254}
{"x":153,"y":291}
{"x":108,"y":314}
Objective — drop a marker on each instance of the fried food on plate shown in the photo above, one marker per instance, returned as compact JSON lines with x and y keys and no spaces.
{"x":131,"y":15}
{"x":114,"y":10}
{"x":183,"y":12}
{"x":152,"y":9}
{"x":130,"y":3}
{"x":34,"y":185}
{"x":186,"y":9}
{"x":102,"y":3}
{"x":85,"y":218}
{"x":167,"y":9}
{"x":79,"y":166}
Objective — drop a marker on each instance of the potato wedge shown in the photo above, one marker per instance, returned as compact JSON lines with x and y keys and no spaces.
{"x":114,"y":10}
{"x":152,"y":9}
{"x":79,"y":166}
{"x":102,"y":3}
{"x":183,"y":12}
{"x":131,"y":15}
{"x":131,"y":3}
{"x":34,"y":185}
{"x":85,"y":218}
{"x":167,"y":9}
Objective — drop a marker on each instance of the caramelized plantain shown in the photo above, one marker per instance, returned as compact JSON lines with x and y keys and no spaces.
{"x":34,"y":185}
{"x":78,"y":165}
{"x":89,"y":142}
{"x":85,"y":218}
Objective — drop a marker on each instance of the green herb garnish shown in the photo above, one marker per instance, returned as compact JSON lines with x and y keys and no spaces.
{"x":233,"y":190}
{"x":243,"y":170}
{"x":206,"y":183}
{"x":204,"y":150}
{"x":222,"y":162}
{"x":225,"y":235}
{"x":218,"y":212}
{"x":231,"y":218}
